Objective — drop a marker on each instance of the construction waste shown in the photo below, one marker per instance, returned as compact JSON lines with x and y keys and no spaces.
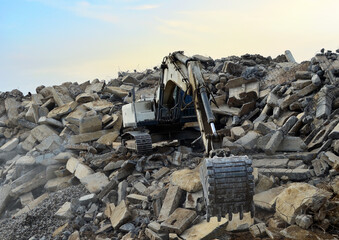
{"x":64,"y":173}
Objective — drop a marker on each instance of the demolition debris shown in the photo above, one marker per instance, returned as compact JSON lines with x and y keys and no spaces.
{"x":66,"y":173}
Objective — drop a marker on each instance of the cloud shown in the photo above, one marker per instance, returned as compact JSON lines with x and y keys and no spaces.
{"x":144,"y":7}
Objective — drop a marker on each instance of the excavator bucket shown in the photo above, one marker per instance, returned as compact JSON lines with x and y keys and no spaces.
{"x":228,"y":186}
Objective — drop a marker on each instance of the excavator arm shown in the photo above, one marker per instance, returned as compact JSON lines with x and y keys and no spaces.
{"x":228,"y":183}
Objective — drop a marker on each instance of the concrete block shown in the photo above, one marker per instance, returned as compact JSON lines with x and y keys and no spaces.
{"x":90,"y":124}
{"x":65,"y":211}
{"x":179,"y":220}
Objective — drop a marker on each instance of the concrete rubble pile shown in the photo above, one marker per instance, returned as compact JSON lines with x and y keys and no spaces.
{"x":67,"y":139}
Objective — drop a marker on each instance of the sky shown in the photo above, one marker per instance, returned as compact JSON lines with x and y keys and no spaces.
{"x":48,"y":42}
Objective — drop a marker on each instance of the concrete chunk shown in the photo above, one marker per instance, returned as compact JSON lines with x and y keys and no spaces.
{"x":82,"y":171}
{"x":10,"y":145}
{"x":31,"y":184}
{"x":266,"y":200}
{"x":90,"y":124}
{"x":50,"y":121}
{"x":4,"y":197}
{"x":136,"y":198}
{"x":270,"y":163}
{"x":65,"y":211}
{"x":162,"y":172}
{"x":57,"y":184}
{"x":58,"y":112}
{"x":96,"y":182}
{"x":87,"y":137}
{"x":274,"y":142}
{"x":72,"y":164}
{"x":258,"y":230}
{"x":171,"y":202}
{"x":32,"y":205}
{"x":119,"y":215}
{"x":297,"y":198}
{"x":292,"y":174}
{"x":205,"y":230}
{"x":186,"y":179}
{"x":98,"y":105}
{"x":41,"y":132}
{"x":179,"y":220}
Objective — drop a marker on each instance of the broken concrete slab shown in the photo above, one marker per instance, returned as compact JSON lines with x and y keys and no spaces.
{"x":266,"y":200}
{"x":136,"y":198}
{"x":192,"y":199}
{"x":33,"y":183}
{"x":41,"y":132}
{"x":291,"y":144}
{"x":60,"y":94}
{"x":86,"y":97}
{"x":32,"y":205}
{"x":296,"y":198}
{"x":264,"y":183}
{"x":65,"y":211}
{"x":29,"y":143}
{"x":258,"y":230}
{"x":75,"y":116}
{"x":179,"y":220}
{"x":58,"y":112}
{"x":116,"y":91}
{"x":249,"y":141}
{"x":87,"y":137}
{"x":72,"y":164}
{"x":94,"y":87}
{"x":171,"y":202}
{"x":50,"y":144}
{"x":96,"y":182}
{"x":26,"y":198}
{"x":119,"y":215}
{"x":205,"y":230}
{"x":82,"y":171}
{"x":56,"y":184}
{"x":270,"y":163}
{"x":50,"y":121}
{"x":292,"y":174}
{"x":187,"y":179}
{"x":98,"y":105}
{"x":108,"y":138}
{"x":294,"y":232}
{"x":90,"y":124}
{"x":10,"y":145}
{"x":160,"y":173}
{"x":4,"y":197}
{"x":155,"y":236}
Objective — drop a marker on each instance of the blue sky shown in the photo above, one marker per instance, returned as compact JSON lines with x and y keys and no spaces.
{"x":47,"y":42}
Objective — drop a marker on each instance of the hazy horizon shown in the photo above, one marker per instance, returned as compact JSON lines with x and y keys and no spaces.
{"x":48,"y":42}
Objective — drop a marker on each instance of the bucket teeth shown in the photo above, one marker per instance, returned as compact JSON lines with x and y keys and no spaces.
{"x":228,"y":186}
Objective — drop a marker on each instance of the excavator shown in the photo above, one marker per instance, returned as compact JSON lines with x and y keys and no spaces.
{"x":182,"y":97}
